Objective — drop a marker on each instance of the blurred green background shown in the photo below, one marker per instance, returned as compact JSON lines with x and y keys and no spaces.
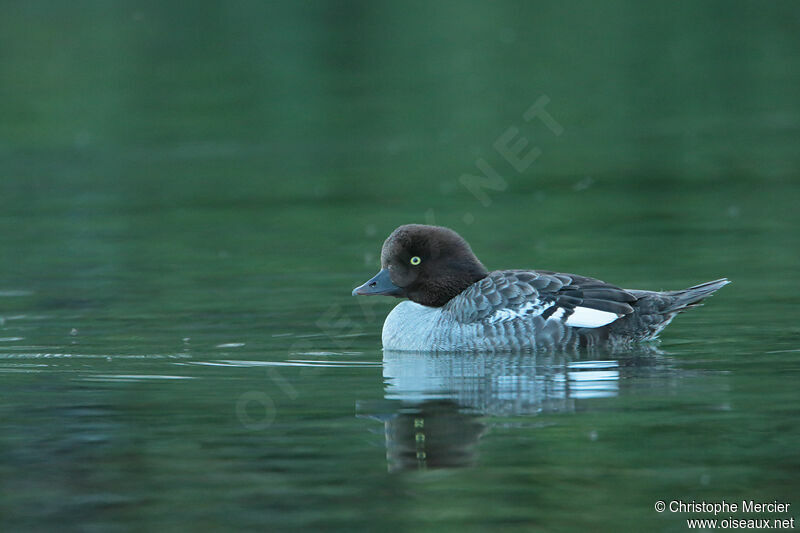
{"x":236,"y":124}
{"x":184,"y":183}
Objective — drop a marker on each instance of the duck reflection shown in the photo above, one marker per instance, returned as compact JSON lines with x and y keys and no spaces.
{"x":432,"y":434}
{"x":437,"y":404}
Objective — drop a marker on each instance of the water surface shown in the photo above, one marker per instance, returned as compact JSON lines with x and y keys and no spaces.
{"x":188,"y":197}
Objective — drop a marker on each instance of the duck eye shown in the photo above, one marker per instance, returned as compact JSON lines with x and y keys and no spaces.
{"x":415,"y":260}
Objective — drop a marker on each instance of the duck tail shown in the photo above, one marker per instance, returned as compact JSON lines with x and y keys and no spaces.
{"x":694,"y":296}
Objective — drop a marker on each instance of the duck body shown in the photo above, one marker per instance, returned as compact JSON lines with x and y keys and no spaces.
{"x":517,"y":319}
{"x":456,"y":305}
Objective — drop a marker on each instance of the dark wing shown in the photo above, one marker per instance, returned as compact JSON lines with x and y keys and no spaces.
{"x":515,"y":294}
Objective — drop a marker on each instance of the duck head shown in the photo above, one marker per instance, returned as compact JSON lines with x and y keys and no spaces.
{"x":426,"y":264}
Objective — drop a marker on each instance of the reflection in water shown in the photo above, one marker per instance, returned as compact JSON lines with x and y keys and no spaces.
{"x":435,"y":402}
{"x":432,"y":433}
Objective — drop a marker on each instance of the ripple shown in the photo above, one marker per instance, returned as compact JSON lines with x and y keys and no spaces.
{"x":579,"y":365}
{"x":22,"y":367}
{"x":10,"y":293}
{"x":89,"y":356}
{"x":132,"y":377}
{"x":339,"y":363}
{"x":324,"y":354}
{"x":301,"y":363}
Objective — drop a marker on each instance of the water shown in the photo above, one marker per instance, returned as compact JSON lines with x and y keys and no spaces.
{"x":188,"y":196}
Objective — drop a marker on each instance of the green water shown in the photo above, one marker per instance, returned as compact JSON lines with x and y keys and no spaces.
{"x":188,"y":194}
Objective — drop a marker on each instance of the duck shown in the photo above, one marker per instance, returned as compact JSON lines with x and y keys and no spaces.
{"x":453,"y":303}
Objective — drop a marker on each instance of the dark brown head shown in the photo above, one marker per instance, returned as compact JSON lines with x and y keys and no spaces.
{"x":426,"y":264}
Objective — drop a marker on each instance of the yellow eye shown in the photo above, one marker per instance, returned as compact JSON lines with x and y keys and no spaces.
{"x":415,"y":260}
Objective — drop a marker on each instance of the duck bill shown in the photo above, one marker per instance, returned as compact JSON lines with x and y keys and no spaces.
{"x":380,"y":284}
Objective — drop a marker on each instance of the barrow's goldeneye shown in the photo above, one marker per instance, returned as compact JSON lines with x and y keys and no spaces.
{"x":456,"y":304}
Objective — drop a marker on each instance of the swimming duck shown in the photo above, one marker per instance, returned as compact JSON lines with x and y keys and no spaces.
{"x":455,"y":304}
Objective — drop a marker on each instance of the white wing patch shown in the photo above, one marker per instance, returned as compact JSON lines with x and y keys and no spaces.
{"x":528,"y":309}
{"x":585,"y":317}
{"x":582,"y":317}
